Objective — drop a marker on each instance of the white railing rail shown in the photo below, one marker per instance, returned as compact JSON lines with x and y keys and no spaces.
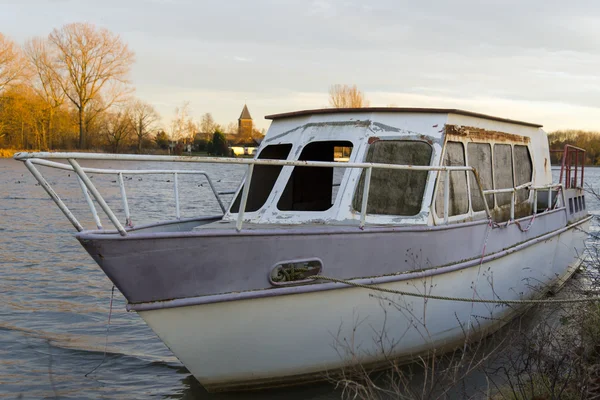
{"x":88,"y":187}
{"x":42,"y":159}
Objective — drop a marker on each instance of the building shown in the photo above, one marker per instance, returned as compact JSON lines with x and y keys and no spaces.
{"x":244,"y":143}
{"x":245,"y":125}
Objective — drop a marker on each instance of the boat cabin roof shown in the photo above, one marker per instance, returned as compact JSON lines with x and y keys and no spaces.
{"x":411,"y":110}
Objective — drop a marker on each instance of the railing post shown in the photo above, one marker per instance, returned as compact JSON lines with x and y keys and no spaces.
{"x":365,"y":198}
{"x":446,"y":195}
{"x":244,"y":200}
{"x":535,"y":201}
{"x":568,"y":168}
{"x":97,"y":196}
{"x":176,"y":189}
{"x":512,"y":204}
{"x":43,"y":183}
{"x":582,"y":166}
{"x":576,"y":166}
{"x":124,"y":198}
{"x":550,"y":198}
{"x":90,"y":203}
{"x":212,"y":186}
{"x":481,"y":193}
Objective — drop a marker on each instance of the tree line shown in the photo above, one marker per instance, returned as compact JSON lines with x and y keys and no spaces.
{"x":587,"y":140}
{"x":71,"y":89}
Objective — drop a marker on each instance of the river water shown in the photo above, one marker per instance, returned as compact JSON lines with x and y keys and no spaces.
{"x":54,"y":300}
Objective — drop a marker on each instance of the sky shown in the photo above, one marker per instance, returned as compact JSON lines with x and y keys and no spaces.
{"x":533,"y":60}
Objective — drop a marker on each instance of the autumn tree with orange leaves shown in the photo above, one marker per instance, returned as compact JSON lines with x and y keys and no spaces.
{"x":92,"y":66}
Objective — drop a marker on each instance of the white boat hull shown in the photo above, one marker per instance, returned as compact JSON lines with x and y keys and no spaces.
{"x":287,"y":339}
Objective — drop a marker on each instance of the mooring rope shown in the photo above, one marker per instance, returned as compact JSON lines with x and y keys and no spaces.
{"x":450,"y":298}
{"x":112,"y":295}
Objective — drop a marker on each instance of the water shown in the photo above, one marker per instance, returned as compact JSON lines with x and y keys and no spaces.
{"x":54,"y":300}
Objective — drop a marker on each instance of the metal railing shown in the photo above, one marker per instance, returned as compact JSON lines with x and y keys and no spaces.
{"x":40,"y":158}
{"x":570,"y":165}
{"x":88,"y":187}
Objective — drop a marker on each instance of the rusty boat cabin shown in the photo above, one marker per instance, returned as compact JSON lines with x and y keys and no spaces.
{"x":448,"y":161}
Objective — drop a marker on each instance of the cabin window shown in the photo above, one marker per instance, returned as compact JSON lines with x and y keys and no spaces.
{"x":395,"y":192}
{"x":523,"y":170}
{"x":312,"y":188}
{"x":503,"y":172}
{"x":458,"y":201}
{"x":571,"y":205}
{"x":263,"y":178}
{"x":480,"y":158}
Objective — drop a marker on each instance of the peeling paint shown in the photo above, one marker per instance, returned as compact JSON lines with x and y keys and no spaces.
{"x":484,"y":135}
{"x":386,"y":128}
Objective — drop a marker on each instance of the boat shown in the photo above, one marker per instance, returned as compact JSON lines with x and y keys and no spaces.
{"x":357,"y":236}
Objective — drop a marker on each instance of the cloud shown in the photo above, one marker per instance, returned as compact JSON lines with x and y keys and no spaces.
{"x":242,"y":59}
{"x":279,"y":56}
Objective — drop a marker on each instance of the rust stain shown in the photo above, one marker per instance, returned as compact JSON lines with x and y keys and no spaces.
{"x":373,"y":139}
{"x":426,"y":139}
{"x":484,"y":135}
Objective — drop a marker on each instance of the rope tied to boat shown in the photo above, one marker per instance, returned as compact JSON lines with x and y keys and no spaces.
{"x":450,"y":298}
{"x":112,"y":295}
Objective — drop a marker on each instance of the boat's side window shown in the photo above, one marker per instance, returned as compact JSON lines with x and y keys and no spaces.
{"x":480,"y":158}
{"x":311,"y":188}
{"x":395,"y":191}
{"x":523,"y":170}
{"x":458,"y":200}
{"x":263,"y":178}
{"x":503,"y":172}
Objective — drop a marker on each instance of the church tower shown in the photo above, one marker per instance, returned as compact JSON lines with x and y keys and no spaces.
{"x":245,"y":124}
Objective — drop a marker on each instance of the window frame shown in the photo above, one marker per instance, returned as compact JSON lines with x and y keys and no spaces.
{"x":292,"y":169}
{"x":478,"y":214}
{"x":358,"y":180}
{"x":238,"y":192}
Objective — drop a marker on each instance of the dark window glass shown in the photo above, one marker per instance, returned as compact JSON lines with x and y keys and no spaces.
{"x":571,"y":205}
{"x":263,"y":178}
{"x":311,"y":188}
{"x":395,"y":192}
{"x":503,"y":172}
{"x":458,"y":201}
{"x":523,"y":170}
{"x":583,"y":201}
{"x":480,"y":158}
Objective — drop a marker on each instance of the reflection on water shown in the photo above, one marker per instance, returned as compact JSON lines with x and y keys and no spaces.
{"x":54,"y":300}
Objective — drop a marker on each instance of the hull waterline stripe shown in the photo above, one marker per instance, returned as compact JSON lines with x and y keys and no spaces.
{"x":192,"y":301}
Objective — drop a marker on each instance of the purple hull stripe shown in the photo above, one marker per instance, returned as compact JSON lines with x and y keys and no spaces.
{"x":192,"y":301}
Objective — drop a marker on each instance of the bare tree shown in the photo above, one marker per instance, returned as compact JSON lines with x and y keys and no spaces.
{"x":45,"y":84}
{"x":144,"y":118}
{"x":117,"y":128}
{"x":182,"y":126}
{"x":12,"y":63}
{"x":207,"y":125}
{"x":231,"y":128}
{"x":90,"y":63}
{"x":346,"y":96}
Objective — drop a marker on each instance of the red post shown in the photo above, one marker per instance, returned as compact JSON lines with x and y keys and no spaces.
{"x":562,"y":167}
{"x":576,"y":162}
{"x":582,"y":166}
{"x":568,"y":169}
